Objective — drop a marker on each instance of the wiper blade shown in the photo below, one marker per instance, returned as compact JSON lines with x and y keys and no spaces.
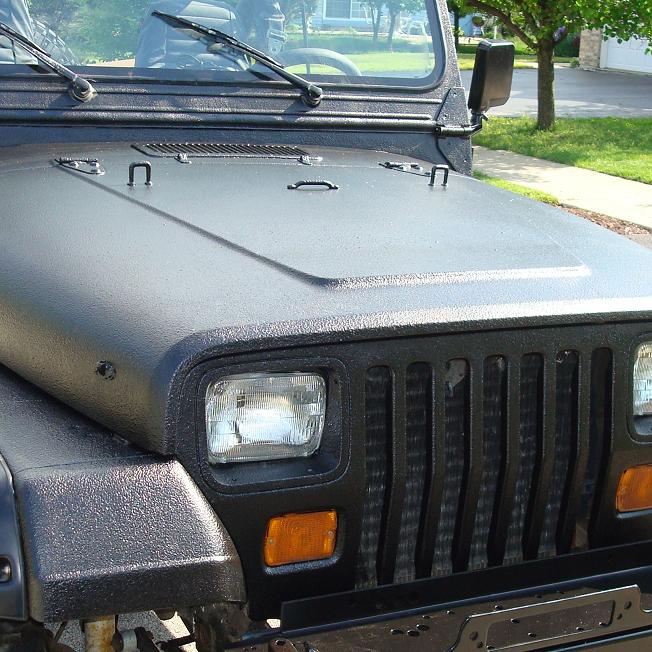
{"x":311,"y":94}
{"x":80,"y":89}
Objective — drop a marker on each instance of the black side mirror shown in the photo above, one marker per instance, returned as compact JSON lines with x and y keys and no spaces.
{"x":492,"y":76}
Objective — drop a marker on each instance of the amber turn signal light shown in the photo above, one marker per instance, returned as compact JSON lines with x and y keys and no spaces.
{"x":293,"y":538}
{"x":635,"y":489}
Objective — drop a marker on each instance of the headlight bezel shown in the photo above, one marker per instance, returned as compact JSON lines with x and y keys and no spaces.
{"x":326,"y":464}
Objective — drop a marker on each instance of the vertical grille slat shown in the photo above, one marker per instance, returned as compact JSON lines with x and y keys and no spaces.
{"x":545,"y":461}
{"x":456,"y":390}
{"x":509,"y":471}
{"x":418,"y":429}
{"x":494,"y":424}
{"x":580,"y":452}
{"x":377,"y":431}
{"x":600,"y":425}
{"x":473,"y":490}
{"x":435,"y":479}
{"x":565,"y":434}
{"x":482,"y":460}
{"x":396,"y":466}
{"x":530,"y":428}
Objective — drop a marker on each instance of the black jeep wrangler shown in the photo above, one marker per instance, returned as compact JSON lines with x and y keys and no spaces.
{"x":272,"y":360}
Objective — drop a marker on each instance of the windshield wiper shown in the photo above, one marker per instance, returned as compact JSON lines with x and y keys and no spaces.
{"x":311,"y":94}
{"x":80,"y":89}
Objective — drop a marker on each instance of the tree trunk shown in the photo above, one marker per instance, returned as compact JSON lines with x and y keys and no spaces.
{"x":376,"y":15}
{"x":546,"y":88}
{"x":456,"y":23}
{"x":390,"y":33}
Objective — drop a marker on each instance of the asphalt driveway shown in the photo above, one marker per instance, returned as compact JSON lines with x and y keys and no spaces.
{"x":580,"y":93}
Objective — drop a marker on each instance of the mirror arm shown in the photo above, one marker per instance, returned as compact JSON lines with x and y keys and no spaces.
{"x":478,"y":120}
{"x":445,"y":131}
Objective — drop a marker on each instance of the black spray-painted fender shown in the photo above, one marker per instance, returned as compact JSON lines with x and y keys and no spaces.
{"x":13,"y":602}
{"x":105,"y":527}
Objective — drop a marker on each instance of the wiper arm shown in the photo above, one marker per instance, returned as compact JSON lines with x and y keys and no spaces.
{"x":311,"y":94}
{"x":80,"y":89}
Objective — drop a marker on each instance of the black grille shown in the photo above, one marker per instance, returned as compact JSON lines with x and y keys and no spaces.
{"x":480,"y":461}
{"x":221,"y":150}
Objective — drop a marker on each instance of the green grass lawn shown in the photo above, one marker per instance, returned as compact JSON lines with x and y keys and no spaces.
{"x":412,"y":62}
{"x":521,"y":61}
{"x":409,"y":54}
{"x":517,"y":188}
{"x":408,"y":62}
{"x":371,"y":63}
{"x":618,"y":146}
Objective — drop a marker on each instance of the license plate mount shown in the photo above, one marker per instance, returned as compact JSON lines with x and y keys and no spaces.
{"x":554,"y":622}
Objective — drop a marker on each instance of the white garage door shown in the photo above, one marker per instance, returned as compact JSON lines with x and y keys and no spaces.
{"x":628,"y":55}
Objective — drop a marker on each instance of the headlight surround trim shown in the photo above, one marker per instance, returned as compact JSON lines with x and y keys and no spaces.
{"x":326,"y":465}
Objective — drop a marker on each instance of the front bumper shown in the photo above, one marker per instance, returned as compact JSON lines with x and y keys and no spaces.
{"x":613,"y":618}
{"x":606,"y":603}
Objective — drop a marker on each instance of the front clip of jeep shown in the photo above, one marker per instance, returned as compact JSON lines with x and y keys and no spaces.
{"x":273,"y":361}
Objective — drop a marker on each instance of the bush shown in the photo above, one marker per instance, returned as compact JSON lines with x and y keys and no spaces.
{"x":95,"y":31}
{"x":467,"y":48}
{"x":569,"y":46}
{"x":470,"y":48}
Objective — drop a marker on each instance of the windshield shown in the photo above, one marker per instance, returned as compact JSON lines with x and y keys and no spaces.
{"x":352,"y":41}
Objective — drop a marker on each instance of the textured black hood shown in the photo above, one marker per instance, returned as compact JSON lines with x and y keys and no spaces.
{"x":219,"y":256}
{"x":380,"y":226}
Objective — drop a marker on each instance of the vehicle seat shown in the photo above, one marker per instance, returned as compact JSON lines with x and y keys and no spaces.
{"x":163,"y":46}
{"x":15,"y":14}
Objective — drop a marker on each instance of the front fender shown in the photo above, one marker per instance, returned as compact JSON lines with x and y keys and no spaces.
{"x":106,"y":528}
{"x":13,"y":602}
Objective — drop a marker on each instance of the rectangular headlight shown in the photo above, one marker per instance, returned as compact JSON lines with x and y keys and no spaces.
{"x":643,"y":381}
{"x":264,"y":416}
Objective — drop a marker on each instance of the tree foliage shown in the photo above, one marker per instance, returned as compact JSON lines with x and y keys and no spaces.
{"x":104,"y":31}
{"x":622,"y":19}
{"x":56,"y":13}
{"x":294,"y":9}
{"x":540,"y":24}
{"x":394,"y":9}
{"x":109,"y":28}
{"x":458,"y":8}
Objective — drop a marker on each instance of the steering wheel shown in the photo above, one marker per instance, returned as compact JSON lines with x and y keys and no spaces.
{"x":187,"y":60}
{"x":318,"y":56}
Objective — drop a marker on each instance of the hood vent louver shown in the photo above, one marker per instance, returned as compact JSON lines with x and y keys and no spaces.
{"x":221,"y":150}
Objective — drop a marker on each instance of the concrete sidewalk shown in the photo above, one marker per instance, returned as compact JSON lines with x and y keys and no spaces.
{"x":622,"y":199}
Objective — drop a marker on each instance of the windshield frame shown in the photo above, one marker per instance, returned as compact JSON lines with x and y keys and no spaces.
{"x":259,"y":78}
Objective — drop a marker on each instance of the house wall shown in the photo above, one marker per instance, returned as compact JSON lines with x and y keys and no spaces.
{"x":630,"y":56}
{"x":591,"y":49}
{"x":351,"y":13}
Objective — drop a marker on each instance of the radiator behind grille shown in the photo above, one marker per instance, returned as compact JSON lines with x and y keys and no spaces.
{"x":489,"y":460}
